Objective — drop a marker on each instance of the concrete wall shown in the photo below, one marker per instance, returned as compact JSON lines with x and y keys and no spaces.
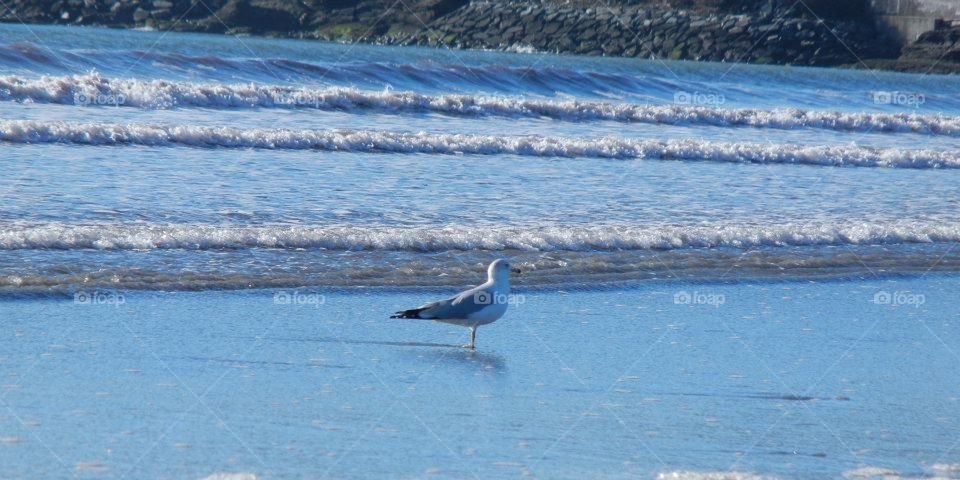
{"x":907,"y":19}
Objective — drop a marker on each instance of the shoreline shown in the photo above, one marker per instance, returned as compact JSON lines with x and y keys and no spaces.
{"x":70,"y":294}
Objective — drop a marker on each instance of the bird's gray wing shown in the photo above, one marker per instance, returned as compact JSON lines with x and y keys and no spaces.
{"x":459,"y":307}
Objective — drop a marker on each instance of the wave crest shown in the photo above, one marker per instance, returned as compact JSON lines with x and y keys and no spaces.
{"x":453,"y":237}
{"x":31,"y":131}
{"x":93,"y":89}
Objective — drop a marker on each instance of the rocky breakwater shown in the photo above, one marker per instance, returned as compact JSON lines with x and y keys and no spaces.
{"x":338,"y":20}
{"x":756,"y":31}
{"x":935,"y":51}
{"x":790,"y":35}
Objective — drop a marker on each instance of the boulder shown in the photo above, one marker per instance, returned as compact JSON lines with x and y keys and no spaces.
{"x":262,"y":15}
{"x":140,"y":15}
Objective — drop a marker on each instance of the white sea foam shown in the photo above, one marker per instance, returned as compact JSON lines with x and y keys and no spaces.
{"x":121,"y":236}
{"x":31,"y":131}
{"x":693,"y":475}
{"x":231,"y":476}
{"x":946,"y":468}
{"x":93,"y":89}
{"x":883,"y":473}
{"x":871,"y":472}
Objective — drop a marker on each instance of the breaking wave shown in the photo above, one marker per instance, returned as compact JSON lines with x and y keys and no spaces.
{"x":30,"y":131}
{"x":121,"y":236}
{"x":546,"y":80}
{"x":93,"y":89}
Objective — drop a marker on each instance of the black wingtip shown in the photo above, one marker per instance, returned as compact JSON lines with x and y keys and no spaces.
{"x":413,"y":313}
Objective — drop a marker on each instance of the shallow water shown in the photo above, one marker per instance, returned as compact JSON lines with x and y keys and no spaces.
{"x":796,"y":380}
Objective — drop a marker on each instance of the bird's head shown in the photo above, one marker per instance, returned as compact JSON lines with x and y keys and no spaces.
{"x":500,"y":269}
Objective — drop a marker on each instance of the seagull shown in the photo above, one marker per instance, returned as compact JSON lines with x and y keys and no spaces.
{"x":480,"y":305}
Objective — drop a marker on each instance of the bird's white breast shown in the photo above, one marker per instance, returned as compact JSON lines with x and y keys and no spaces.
{"x":498,"y":296}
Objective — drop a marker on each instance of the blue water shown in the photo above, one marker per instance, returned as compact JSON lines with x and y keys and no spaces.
{"x":798,"y":380}
{"x":194,"y":175}
{"x":89,"y":173}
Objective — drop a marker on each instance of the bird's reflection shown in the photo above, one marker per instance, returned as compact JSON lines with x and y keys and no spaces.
{"x":349,"y":341}
{"x":466,"y":358}
{"x":435,"y":352}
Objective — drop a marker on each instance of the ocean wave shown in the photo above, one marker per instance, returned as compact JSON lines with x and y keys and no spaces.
{"x":31,"y":131}
{"x":546,"y":80}
{"x":110,"y":236}
{"x":93,"y":89}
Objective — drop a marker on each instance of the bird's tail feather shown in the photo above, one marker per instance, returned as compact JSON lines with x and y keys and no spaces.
{"x":412,"y":313}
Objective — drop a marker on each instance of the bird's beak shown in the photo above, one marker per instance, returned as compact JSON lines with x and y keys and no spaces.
{"x":515,"y":270}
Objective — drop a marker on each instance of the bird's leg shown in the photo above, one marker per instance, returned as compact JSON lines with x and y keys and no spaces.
{"x":473,"y":336}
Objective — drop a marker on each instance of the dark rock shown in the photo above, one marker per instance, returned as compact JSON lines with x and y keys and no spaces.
{"x":162,"y":14}
{"x":262,"y":15}
{"x":140,"y":15}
